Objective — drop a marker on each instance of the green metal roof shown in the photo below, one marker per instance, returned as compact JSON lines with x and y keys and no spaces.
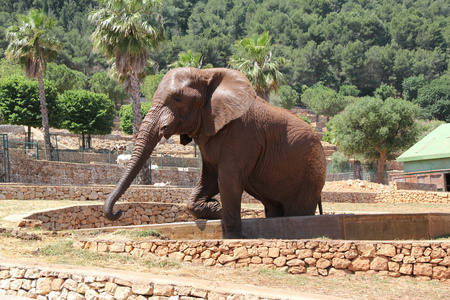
{"x":435,"y":145}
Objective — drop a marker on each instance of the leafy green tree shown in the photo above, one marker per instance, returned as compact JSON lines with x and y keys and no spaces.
{"x":8,"y":68}
{"x":339,"y":163}
{"x":324,"y":101}
{"x":86,"y":113}
{"x":348,"y":90}
{"x":189,"y":59}
{"x":65,"y":78}
{"x":434,"y":98}
{"x":20,"y":102}
{"x":405,"y":28}
{"x":126,"y":116}
{"x":411,"y":86}
{"x":101,"y":83}
{"x":352,"y":63}
{"x":32,"y":46}
{"x":314,"y":63}
{"x":375,"y":129}
{"x":385,"y":91}
{"x":427,"y":126}
{"x":377,"y":69}
{"x":127,"y":32}
{"x":254,"y":59}
{"x":288,"y":96}
{"x":150,"y":85}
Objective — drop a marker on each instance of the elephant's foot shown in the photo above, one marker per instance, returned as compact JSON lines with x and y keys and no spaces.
{"x":209,"y":209}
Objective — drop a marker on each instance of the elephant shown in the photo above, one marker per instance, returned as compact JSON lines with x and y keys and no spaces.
{"x":246,"y":144}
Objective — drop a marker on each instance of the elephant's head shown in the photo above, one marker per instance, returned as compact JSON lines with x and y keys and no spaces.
{"x":189,"y":102}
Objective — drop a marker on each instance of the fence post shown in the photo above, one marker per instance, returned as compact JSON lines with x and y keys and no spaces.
{"x":37,"y":150}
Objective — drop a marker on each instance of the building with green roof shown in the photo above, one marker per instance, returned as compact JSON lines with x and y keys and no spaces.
{"x":428,"y":161}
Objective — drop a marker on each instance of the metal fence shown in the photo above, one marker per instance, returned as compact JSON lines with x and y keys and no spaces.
{"x":32,"y":150}
{"x":4,"y":159}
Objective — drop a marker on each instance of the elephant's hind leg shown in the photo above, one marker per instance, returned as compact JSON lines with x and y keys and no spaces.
{"x":304,"y":206}
{"x":273,"y":210}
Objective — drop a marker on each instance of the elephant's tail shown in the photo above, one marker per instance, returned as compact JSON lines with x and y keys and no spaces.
{"x":319,"y":204}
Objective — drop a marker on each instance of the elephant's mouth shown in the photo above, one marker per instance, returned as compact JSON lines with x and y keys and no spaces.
{"x":167,"y":132}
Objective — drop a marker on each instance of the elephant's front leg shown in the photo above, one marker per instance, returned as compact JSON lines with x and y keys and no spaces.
{"x":231,"y":189}
{"x":201,"y":203}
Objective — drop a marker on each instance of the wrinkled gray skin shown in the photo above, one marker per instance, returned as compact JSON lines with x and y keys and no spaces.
{"x":246,"y":144}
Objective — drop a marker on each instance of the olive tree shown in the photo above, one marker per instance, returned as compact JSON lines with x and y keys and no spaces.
{"x":375,"y":129}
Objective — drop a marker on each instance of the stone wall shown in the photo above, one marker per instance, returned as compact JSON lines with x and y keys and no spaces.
{"x":64,"y":173}
{"x":170,"y":194}
{"x":91,"y":216}
{"x":312,"y":257}
{"x":58,"y":282}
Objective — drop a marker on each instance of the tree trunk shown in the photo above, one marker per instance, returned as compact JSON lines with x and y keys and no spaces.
{"x":380,"y":167}
{"x":357,"y":171}
{"x":145,"y":176}
{"x":83,"y":145}
{"x":45,"y":123}
{"x":29,"y":137}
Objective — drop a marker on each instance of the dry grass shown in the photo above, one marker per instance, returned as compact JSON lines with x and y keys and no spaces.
{"x":58,"y":249}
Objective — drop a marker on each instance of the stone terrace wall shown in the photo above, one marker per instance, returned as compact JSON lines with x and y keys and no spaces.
{"x":64,"y":173}
{"x":169,"y":194}
{"x":312,"y":257}
{"x":91,"y":216}
{"x":56,"y":282}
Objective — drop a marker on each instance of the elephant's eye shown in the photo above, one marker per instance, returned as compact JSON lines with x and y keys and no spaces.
{"x":177,"y":99}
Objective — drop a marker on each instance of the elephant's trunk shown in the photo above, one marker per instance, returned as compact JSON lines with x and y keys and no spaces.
{"x":147,"y":139}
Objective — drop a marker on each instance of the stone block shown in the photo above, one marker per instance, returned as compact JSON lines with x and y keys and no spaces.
{"x":340,"y":263}
{"x":379,"y":264}
{"x":423,"y":269}
{"x":323,"y":263}
{"x":122,"y":293}
{"x":304,"y":253}
{"x":441,"y":272}
{"x":163,"y":290}
{"x":44,"y":286}
{"x":386,"y":250}
{"x":360,"y":264}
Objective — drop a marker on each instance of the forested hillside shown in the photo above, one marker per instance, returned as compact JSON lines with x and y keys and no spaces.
{"x":335,"y":42}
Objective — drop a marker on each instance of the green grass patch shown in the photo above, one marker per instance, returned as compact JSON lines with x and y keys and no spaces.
{"x":136,"y":233}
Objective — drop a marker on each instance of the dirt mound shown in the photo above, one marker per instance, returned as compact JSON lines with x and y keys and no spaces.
{"x":355,"y":186}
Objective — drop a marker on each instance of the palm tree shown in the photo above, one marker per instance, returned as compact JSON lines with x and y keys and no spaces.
{"x":255,"y":60}
{"x":126,"y":32}
{"x":190,"y":59}
{"x":32,"y":46}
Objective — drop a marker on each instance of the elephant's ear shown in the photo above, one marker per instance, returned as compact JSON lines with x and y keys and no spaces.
{"x":229,"y":95}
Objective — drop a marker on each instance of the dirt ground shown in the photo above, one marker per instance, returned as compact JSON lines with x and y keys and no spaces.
{"x":42,"y":246}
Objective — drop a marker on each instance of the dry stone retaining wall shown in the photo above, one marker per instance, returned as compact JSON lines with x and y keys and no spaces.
{"x":312,"y":257}
{"x":56,"y":282}
{"x":169,"y":194}
{"x":91,"y":216}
